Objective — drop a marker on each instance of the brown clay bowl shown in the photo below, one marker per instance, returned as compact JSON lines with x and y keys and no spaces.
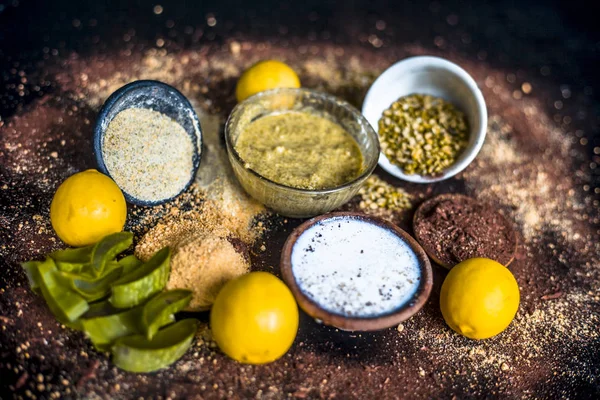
{"x":427,"y":205}
{"x":382,"y":321}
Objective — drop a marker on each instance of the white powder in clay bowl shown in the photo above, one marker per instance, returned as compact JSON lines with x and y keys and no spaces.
{"x":355,"y":268}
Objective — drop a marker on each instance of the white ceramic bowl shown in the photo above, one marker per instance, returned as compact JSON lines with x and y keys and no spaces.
{"x":437,"y":77}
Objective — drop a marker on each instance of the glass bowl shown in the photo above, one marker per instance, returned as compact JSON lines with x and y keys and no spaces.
{"x":286,"y":200}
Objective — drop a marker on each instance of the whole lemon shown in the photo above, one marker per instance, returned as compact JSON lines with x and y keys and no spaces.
{"x":254,"y":319}
{"x":264,"y":75}
{"x":479,"y":298}
{"x":86,"y":207}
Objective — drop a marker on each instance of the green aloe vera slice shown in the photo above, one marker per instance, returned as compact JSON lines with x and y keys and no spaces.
{"x":80,"y":255}
{"x":72,"y":260}
{"x":89,"y":287}
{"x":130,"y":263}
{"x":31,"y":270}
{"x":108,"y":248}
{"x":159,"y":311}
{"x":104,"y":324}
{"x":148,"y":279}
{"x":138,"y":354}
{"x":64,"y":303}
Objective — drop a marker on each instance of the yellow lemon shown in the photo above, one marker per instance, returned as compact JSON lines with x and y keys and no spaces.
{"x":86,"y":207}
{"x":254,"y":319}
{"x":264,"y":75}
{"x":479,"y":298}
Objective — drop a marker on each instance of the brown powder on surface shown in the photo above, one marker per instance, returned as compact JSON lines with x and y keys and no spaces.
{"x":237,"y":209}
{"x":453,"y":228}
{"x":177,"y":226}
{"x":550,"y":331}
{"x":204,"y":264}
{"x":526,"y":184}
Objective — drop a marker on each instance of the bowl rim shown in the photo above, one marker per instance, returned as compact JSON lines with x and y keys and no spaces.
{"x":456,"y":70}
{"x":405,"y":311}
{"x":99,"y":132}
{"x":342,"y":103}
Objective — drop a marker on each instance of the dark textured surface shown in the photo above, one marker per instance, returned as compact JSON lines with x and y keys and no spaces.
{"x":539,"y":166}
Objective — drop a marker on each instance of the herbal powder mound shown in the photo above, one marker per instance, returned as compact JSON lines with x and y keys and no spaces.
{"x":204,"y":257}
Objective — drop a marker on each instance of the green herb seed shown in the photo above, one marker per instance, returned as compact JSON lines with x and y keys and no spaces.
{"x":423,"y":134}
{"x":377,"y":194}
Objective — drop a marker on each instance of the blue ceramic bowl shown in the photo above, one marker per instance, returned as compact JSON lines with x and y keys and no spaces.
{"x":156,"y":96}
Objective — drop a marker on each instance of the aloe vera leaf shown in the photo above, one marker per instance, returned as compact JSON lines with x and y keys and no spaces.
{"x":148,"y":279}
{"x":138,"y":354}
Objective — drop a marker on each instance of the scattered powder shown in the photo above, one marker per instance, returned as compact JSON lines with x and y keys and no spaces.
{"x":537,"y":205}
{"x":160,"y":65}
{"x":317,"y":72}
{"x":352,"y":267}
{"x":148,"y":154}
{"x":533,"y":340}
{"x":142,"y":219}
{"x":217,"y":178}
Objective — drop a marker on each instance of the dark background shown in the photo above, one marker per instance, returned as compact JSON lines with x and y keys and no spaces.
{"x":562,"y":35}
{"x":557,"y":40}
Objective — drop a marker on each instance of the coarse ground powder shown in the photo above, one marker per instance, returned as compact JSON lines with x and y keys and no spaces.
{"x":538,"y":336}
{"x":355,"y":268}
{"x":539,"y":206}
{"x":148,"y":154}
{"x":204,"y":263}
